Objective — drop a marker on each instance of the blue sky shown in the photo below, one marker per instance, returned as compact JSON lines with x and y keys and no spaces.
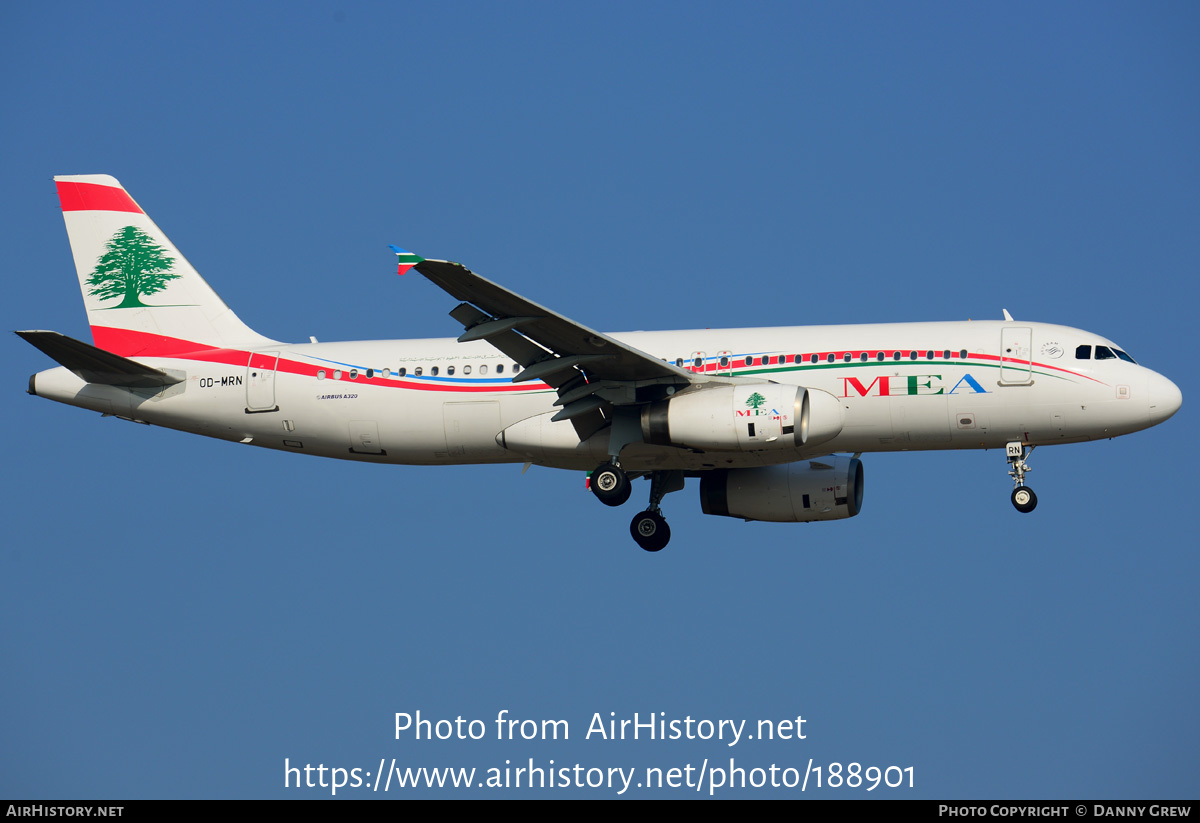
{"x":180,"y":615}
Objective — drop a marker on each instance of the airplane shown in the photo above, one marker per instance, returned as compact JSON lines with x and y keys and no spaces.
{"x":773,"y":421}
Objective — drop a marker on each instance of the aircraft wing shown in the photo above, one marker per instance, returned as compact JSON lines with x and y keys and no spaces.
{"x":575,"y":345}
{"x":591,"y":371}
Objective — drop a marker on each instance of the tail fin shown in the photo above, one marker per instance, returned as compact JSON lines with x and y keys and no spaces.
{"x":142,"y":296}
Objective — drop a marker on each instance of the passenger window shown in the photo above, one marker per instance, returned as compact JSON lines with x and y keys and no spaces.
{"x":1083,"y":353}
{"x":370,"y":373}
{"x":846,"y":357}
{"x":863,"y":357}
{"x":402,"y":371}
{"x":433,"y":372}
{"x":354,"y":374}
{"x":516,"y":368}
{"x":929,"y":354}
{"x":386,"y":374}
{"x":912,"y":355}
{"x":500,"y":369}
{"x":1104,"y":353}
{"x":466,"y":369}
{"x":829,"y":358}
{"x":483,"y":369}
{"x":963,"y":354}
{"x":320,"y":374}
{"x":679,"y":362}
{"x":879,"y":356}
{"x":449,"y":370}
{"x":698,"y":363}
{"x":724,"y":362}
{"x":812,"y":359}
{"x":337,"y":374}
{"x":749,"y":361}
{"x":418,"y":371}
{"x":895,"y":355}
{"x":946,"y":354}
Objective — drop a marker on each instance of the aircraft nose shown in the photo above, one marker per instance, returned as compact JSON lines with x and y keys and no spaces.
{"x":1165,"y":398}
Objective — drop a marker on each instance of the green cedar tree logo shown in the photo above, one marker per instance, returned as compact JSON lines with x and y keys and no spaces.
{"x":132,"y":265}
{"x":755,"y":400}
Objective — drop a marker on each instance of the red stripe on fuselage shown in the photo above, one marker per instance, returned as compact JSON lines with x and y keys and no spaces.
{"x":1018,"y":363}
{"x":94,"y":197}
{"x":128,"y":343}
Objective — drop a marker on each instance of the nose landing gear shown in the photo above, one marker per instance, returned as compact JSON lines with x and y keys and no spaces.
{"x":1023,"y":498}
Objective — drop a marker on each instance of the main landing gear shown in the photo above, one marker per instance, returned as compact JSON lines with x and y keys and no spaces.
{"x":649,"y":528}
{"x":610,"y":484}
{"x":1023,"y":498}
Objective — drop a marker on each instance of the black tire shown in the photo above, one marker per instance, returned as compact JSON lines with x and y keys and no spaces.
{"x":1023,"y":499}
{"x":650,"y":531}
{"x":610,"y":485}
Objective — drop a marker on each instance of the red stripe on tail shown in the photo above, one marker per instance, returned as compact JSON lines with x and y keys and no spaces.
{"x":93,"y":197}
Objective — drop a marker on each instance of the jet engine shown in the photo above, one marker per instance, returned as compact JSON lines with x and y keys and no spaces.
{"x":747,"y":417}
{"x":827,"y":489}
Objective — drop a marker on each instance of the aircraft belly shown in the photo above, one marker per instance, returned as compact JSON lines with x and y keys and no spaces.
{"x":919,"y":421}
{"x":868,"y":421}
{"x":471,"y":428}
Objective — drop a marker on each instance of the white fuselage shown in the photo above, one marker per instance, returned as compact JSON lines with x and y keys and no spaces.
{"x":902,"y":386}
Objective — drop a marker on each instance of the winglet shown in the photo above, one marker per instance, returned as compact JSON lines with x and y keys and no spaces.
{"x":405,"y":259}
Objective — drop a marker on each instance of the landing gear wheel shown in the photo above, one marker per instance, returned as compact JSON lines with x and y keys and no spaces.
{"x":650,"y":530}
{"x":610,"y":485}
{"x":1024,"y":499}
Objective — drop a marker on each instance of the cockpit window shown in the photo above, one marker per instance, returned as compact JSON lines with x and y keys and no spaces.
{"x":1083,"y":353}
{"x":1124,"y":356}
{"x":1104,"y":353}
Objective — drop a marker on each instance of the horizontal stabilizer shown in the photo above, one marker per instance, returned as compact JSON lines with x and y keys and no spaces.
{"x":97,"y":365}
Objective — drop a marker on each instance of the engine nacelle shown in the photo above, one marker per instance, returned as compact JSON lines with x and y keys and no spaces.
{"x":827,"y":489}
{"x":825,"y":419}
{"x":754,"y":417}
{"x":730,"y":418}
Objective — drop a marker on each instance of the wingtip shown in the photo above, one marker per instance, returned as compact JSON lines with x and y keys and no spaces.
{"x":405,"y":259}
